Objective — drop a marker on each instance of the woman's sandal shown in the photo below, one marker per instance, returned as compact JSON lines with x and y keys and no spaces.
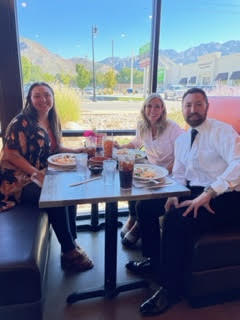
{"x":131,"y":237}
{"x":127,"y":226}
{"x":76,"y":260}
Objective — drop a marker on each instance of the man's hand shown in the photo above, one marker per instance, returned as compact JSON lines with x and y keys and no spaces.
{"x":201,"y":201}
{"x":171,"y":202}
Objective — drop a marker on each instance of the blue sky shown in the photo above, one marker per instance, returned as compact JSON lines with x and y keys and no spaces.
{"x":64,"y":26}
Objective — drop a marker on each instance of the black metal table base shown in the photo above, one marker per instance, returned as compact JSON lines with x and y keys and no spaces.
{"x":94,"y":225}
{"x":101,"y":292}
{"x":110,"y":288}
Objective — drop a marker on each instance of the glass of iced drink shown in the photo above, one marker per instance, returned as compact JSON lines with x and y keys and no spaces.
{"x":91,"y":146}
{"x":126,"y":166}
{"x":108,"y":146}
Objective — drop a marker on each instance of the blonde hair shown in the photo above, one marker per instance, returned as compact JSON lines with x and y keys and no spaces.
{"x":144,"y":124}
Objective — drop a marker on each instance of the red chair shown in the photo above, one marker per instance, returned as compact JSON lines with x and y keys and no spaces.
{"x":215,"y":273}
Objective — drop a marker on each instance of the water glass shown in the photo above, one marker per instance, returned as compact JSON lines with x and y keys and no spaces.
{"x":82,"y":164}
{"x":109,"y":168}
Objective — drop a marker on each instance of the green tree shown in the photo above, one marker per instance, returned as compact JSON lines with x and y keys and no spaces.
{"x":26,"y":69}
{"x":110,"y":79}
{"x":137,"y":76}
{"x":124,"y":75}
{"x":99,"y":78}
{"x":36,"y":73}
{"x":83,"y":76}
{"x":48,"y":77}
{"x":65,"y":78}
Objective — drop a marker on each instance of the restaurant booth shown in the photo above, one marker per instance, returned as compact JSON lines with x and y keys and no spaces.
{"x":215,"y":272}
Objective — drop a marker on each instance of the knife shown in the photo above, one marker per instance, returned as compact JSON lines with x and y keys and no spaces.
{"x":84,"y":181}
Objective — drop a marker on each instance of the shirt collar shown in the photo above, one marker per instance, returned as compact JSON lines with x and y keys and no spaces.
{"x":202,"y":127}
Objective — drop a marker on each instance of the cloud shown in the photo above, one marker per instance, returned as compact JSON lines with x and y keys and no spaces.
{"x":24,"y":4}
{"x":123,"y":35}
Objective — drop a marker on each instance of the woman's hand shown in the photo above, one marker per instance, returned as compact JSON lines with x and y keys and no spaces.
{"x":203,"y":200}
{"x":80,"y":150}
{"x":171,"y":202}
{"x":38,"y":177}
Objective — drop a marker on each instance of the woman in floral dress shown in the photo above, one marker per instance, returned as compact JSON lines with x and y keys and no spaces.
{"x":31,"y":137}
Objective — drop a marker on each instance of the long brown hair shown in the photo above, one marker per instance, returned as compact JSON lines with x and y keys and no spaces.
{"x":31,"y":112}
{"x":144,"y":124}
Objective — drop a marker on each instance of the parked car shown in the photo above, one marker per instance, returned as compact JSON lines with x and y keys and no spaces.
{"x":129,"y":90}
{"x":174,"y":92}
{"x":88,"y":90}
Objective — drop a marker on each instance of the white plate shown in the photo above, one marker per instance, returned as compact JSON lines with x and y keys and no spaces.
{"x":149,"y":172}
{"x":63,"y":159}
{"x":139,"y":154}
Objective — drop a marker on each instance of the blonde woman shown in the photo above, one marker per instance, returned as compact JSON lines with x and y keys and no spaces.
{"x":157,"y":135}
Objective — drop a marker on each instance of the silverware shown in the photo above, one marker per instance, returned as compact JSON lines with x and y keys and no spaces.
{"x":84,"y":181}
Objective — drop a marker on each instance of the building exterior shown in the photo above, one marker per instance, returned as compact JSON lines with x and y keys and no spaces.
{"x":210,"y":69}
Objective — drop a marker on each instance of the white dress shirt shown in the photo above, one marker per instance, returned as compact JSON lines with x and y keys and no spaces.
{"x":213,"y":159}
{"x":160,"y":151}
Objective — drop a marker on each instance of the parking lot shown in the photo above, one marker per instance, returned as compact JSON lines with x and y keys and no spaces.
{"x":108,"y":107}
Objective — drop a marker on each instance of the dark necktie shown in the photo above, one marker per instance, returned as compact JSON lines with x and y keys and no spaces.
{"x":194,"y":132}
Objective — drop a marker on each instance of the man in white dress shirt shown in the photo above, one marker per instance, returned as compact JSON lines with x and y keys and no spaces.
{"x":207,"y":160}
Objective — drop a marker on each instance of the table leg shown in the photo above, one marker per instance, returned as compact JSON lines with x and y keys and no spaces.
{"x":110,"y":272}
{"x":94,"y":225}
{"x":111,"y":249}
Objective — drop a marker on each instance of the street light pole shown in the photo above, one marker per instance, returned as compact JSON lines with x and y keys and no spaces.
{"x":94,"y":31}
{"x":131,"y":74}
{"x":112,"y":54}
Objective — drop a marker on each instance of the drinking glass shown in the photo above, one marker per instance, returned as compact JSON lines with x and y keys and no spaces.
{"x":90,"y":144}
{"x":109,"y":168}
{"x":99,"y":143}
{"x":126,"y":167}
{"x":81,"y":163}
{"x":108,"y":146}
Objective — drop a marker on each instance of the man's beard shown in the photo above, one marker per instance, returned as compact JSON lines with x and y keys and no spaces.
{"x":196,"y":121}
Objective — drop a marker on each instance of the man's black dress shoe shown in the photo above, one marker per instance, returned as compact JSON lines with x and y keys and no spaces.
{"x":140,"y":267}
{"x":158,"y":303}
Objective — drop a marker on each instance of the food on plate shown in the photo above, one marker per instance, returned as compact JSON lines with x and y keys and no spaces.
{"x":122,"y":151}
{"x":139,"y":155}
{"x":145,"y":173}
{"x":65,"y":159}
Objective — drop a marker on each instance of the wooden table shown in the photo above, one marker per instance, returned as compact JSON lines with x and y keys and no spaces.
{"x":56,"y":192}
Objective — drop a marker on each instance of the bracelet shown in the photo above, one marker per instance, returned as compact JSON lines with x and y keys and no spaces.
{"x":210,"y":191}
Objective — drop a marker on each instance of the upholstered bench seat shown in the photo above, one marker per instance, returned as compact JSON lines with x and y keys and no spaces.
{"x":24,"y":243}
{"x":217,"y":250}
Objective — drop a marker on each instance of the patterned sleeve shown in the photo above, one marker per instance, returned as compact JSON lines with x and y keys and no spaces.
{"x":16,"y":138}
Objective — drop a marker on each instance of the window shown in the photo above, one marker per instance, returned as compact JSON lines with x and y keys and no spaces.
{"x":94,"y":53}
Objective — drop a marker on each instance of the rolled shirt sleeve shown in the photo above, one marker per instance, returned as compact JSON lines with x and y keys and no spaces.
{"x":230,"y":152}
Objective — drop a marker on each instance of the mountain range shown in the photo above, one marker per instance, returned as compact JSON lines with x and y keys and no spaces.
{"x":53,"y":63}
